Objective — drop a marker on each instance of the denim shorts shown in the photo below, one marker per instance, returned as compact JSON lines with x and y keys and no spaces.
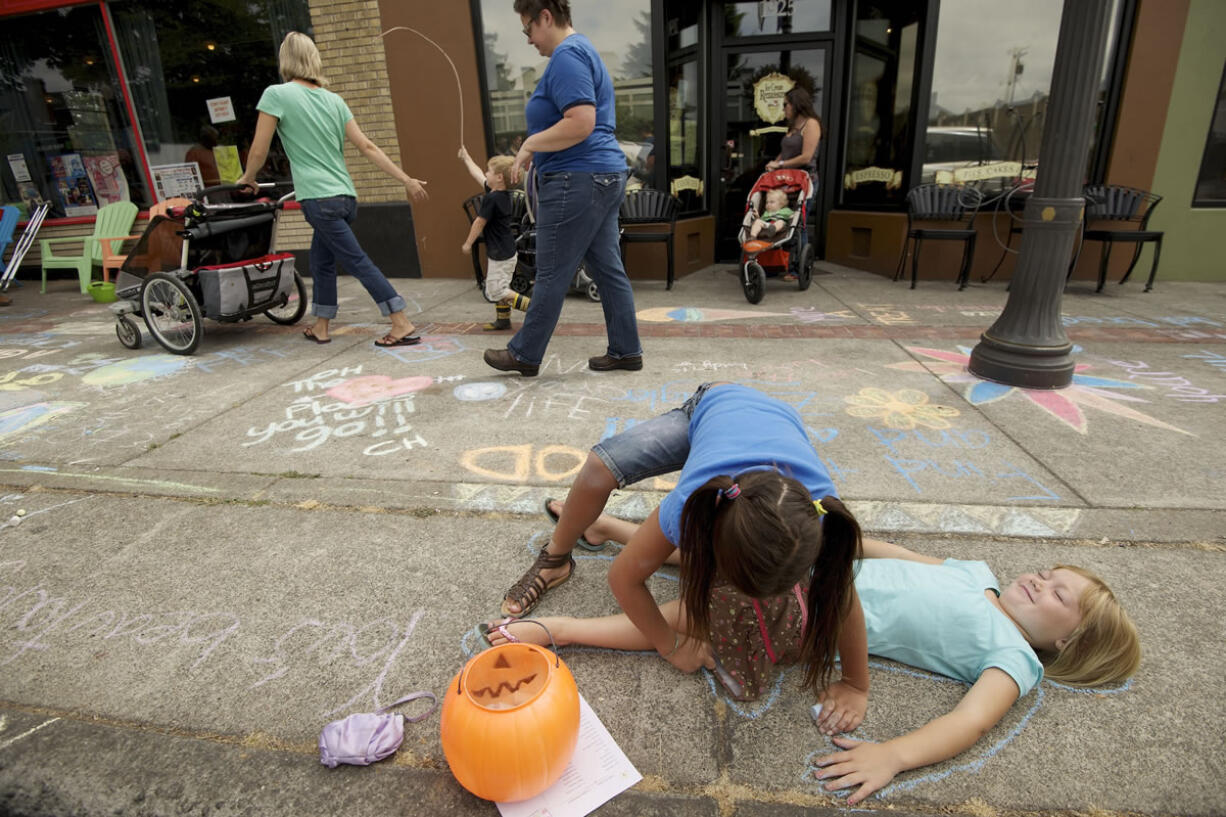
{"x":657,"y":446}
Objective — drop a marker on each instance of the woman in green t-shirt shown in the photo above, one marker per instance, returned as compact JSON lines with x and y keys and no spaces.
{"x":313,"y":124}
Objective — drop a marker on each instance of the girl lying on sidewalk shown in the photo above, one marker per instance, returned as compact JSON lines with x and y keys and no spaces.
{"x":911,"y":604}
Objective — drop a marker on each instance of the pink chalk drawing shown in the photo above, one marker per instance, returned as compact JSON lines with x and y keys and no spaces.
{"x":375,"y":388}
{"x":1066,"y":405}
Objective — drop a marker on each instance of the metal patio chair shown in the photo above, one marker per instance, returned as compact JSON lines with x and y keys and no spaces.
{"x":941,"y":204}
{"x":1118,"y":205}
{"x":649,"y":207}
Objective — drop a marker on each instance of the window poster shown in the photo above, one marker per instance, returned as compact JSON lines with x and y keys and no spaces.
{"x":72,"y":183}
{"x":31,"y":198}
{"x":229,"y":168}
{"x":17,"y":163}
{"x":180,"y":179}
{"x":107,"y":177}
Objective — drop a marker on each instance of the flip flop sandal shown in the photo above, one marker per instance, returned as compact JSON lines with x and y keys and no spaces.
{"x":485,"y":629}
{"x":309,"y":334}
{"x":407,"y":340}
{"x":582,"y":541}
{"x":530,"y":587}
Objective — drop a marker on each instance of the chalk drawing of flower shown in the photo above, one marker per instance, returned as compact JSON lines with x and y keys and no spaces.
{"x":1066,"y":405}
{"x":903,"y":410}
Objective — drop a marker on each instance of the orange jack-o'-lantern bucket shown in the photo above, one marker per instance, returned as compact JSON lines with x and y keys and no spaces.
{"x":510,"y":721}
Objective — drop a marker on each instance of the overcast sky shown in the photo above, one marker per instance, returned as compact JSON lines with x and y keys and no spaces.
{"x":609,"y":24}
{"x":974,"y":41}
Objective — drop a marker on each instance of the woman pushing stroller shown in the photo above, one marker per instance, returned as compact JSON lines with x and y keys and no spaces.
{"x":313,"y":124}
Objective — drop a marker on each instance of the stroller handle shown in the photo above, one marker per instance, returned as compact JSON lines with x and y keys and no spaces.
{"x":204,"y":193}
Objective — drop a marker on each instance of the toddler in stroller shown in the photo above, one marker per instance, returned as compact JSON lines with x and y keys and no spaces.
{"x":770,"y":235}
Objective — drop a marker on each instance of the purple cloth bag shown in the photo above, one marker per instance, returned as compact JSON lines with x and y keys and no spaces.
{"x":366,"y":737}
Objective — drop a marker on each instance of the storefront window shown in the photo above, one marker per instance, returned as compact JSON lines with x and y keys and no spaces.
{"x":755,"y":125}
{"x":621,"y":32}
{"x":752,"y":18}
{"x":1211,"y":183}
{"x":990,"y":93}
{"x":685,"y":142}
{"x":879,"y":129}
{"x":196,"y":71}
{"x":65,"y":135}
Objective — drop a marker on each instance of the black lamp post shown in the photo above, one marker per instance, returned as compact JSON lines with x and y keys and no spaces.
{"x":1027,"y":346}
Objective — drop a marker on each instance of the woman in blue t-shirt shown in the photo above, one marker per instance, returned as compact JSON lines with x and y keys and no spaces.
{"x":581,"y":179}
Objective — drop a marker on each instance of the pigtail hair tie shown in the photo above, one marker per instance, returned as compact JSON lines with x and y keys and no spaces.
{"x":731,"y":492}
{"x":817,"y":505}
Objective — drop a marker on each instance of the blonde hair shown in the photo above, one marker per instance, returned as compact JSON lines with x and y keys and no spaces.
{"x":778,"y":194}
{"x":299,"y":59}
{"x":1105,"y":647}
{"x":502,"y":166}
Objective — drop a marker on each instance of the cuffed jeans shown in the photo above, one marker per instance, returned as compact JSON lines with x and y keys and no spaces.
{"x":334,"y":241}
{"x":577,"y":221}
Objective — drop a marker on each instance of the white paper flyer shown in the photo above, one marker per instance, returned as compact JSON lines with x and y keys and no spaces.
{"x":598,"y":772}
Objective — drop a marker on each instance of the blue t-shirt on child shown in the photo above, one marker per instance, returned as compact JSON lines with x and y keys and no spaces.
{"x":737,"y":429}
{"x":574,"y":76}
{"x":936,"y":617}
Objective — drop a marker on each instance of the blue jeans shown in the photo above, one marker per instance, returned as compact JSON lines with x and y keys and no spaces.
{"x":334,"y":241}
{"x":657,"y":446}
{"x":577,"y":221}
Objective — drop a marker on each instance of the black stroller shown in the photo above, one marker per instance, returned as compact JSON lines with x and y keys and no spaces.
{"x":525,"y":247}
{"x":206,"y":260}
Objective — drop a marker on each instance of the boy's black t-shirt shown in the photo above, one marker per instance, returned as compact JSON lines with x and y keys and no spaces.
{"x":496,"y":208}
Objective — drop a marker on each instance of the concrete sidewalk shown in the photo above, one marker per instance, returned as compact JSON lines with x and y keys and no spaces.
{"x":220,"y":553}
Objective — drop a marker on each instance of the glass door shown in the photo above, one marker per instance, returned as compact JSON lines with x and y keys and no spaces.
{"x":752,"y":126}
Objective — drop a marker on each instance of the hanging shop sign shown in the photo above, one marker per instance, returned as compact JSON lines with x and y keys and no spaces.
{"x":768,"y":94}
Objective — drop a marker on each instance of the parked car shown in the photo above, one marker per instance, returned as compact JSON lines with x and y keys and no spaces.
{"x":947,"y":149}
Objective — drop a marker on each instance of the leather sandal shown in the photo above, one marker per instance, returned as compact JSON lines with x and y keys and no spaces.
{"x":530,"y":587}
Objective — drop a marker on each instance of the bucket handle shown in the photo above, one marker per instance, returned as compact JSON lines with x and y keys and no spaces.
{"x":557,"y":661}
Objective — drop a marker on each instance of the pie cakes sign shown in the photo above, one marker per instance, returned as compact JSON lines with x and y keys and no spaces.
{"x":510,"y":722}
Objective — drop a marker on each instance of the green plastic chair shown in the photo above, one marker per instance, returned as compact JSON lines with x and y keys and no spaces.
{"x":112,"y":220}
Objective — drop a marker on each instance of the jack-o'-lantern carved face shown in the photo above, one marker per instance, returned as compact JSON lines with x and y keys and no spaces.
{"x":502,"y":679}
{"x":506,"y":698}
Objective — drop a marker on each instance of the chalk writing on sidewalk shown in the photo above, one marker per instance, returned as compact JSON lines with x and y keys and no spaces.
{"x":35,"y":619}
{"x":367,"y":407}
{"x":520,"y":463}
{"x":1172,"y":385}
{"x":1217,"y":361}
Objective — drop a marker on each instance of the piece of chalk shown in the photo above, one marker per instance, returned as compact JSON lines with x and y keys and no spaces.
{"x":816,"y":712}
{"x":21,"y":512}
